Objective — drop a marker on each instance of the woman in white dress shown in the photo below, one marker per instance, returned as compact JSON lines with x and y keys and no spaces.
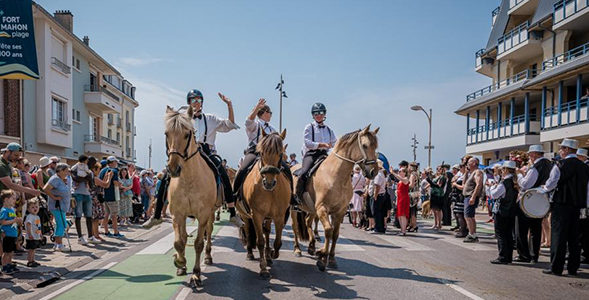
{"x":358,"y":183}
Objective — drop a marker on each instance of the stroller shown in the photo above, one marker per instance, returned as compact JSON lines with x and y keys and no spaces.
{"x":137,"y":210}
{"x":46,"y":223}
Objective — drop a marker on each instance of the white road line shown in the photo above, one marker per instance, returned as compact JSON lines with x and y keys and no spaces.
{"x":184,"y":292}
{"x":85,"y":278}
{"x":343,"y":243}
{"x":163,"y":245}
{"x":404,"y":243}
{"x":460,"y":290}
{"x":450,"y":239}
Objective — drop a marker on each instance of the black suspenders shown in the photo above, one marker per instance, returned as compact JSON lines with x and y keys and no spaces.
{"x":313,"y":132}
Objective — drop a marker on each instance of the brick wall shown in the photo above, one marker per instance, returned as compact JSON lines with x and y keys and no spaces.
{"x":12,"y":107}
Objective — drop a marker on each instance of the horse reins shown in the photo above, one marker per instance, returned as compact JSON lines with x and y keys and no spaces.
{"x":184,"y":155}
{"x":363,"y":161}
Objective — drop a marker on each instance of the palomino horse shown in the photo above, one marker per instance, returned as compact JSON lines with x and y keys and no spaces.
{"x":192,"y":190}
{"x":267,"y":191}
{"x":329,"y":192}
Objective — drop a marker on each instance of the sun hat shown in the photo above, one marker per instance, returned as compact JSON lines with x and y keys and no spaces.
{"x":536,"y":148}
{"x":570,"y":143}
{"x":582,"y":152}
{"x":510,"y":164}
{"x":111,"y":159}
{"x":44,"y":162}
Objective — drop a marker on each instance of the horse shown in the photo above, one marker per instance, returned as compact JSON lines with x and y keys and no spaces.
{"x":267,"y":191}
{"x":329,"y":190}
{"x":192,"y":190}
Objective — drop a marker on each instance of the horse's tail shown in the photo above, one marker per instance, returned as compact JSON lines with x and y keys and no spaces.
{"x":247,"y":234}
{"x":301,"y":225}
{"x":286,"y":215}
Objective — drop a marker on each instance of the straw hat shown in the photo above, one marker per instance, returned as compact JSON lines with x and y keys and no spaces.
{"x":44,"y":161}
{"x":570,"y":143}
{"x":582,"y":152}
{"x":509,"y":164}
{"x":536,"y":148}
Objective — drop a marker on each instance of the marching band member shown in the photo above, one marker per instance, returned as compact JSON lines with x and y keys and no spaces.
{"x":504,"y":212}
{"x":584,"y":218}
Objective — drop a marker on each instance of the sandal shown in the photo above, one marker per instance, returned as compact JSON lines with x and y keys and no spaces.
{"x":33,"y":264}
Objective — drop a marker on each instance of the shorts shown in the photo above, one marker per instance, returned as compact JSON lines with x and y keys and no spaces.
{"x":470,"y":210}
{"x":83,"y":205}
{"x":33,"y":244}
{"x":9,"y":244}
{"x":112,"y":208}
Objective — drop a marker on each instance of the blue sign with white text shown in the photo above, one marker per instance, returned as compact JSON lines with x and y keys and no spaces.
{"x":18,"y":54}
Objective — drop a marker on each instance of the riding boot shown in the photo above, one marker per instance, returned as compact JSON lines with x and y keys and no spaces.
{"x":300,"y":190}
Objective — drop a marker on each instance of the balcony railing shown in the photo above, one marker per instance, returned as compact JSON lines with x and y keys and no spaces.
{"x":60,"y":65}
{"x":119,"y":123}
{"x":100,"y":139}
{"x":566,"y":8}
{"x":96,"y":88}
{"x":526,"y":74}
{"x":502,"y":129}
{"x":61,"y":124}
{"x":567,"y":56}
{"x":513,"y":38}
{"x":478,"y":59}
{"x":514,"y":3}
{"x":568,"y":113}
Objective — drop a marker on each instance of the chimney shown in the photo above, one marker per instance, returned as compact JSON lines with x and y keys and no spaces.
{"x":65,"y":18}
{"x":86,"y":40}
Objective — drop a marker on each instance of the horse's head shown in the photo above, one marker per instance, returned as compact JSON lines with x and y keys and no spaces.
{"x":179,"y":139}
{"x":360,"y":147}
{"x":271,"y":151}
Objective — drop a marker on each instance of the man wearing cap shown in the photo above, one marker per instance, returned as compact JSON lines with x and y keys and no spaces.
{"x":570,"y":196}
{"x":10,"y":154}
{"x":54,"y":161}
{"x":110,"y":198}
{"x":535,"y":177}
{"x":584,"y":218}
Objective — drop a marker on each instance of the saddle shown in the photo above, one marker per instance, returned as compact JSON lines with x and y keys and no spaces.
{"x":214,"y":165}
{"x":313,"y":169}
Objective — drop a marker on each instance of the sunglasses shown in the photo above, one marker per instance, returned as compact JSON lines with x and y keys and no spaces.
{"x":194,"y":100}
{"x":319,"y":113}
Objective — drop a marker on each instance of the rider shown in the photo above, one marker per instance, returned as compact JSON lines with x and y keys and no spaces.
{"x":254,"y":129}
{"x":206,"y":128}
{"x":319,"y":139}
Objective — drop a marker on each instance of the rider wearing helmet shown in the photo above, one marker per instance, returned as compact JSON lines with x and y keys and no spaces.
{"x":318,"y":139}
{"x":206,"y":128}
{"x":254,"y":130}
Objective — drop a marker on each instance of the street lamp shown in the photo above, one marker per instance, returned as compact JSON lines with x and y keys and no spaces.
{"x":282,"y":95}
{"x":429,"y":146}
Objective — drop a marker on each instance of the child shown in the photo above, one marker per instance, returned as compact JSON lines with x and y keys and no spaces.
{"x":9,"y":223}
{"x":33,"y":229}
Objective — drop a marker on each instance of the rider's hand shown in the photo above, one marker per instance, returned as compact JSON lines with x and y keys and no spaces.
{"x":261,"y":103}
{"x":225,"y":99}
{"x":324,"y":145}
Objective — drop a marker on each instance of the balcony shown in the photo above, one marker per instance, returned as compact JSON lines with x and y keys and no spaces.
{"x":522,"y":7}
{"x":569,"y":124}
{"x":99,"y":101}
{"x":483,"y":65}
{"x":128,"y":127}
{"x":101,"y":144}
{"x":119,"y":123}
{"x":565,"y":57}
{"x":494,"y":14}
{"x":519,"y":77}
{"x":500,"y":135}
{"x":61,"y":124}
{"x":571,"y":15}
{"x":519,"y":44}
{"x":60,"y":66}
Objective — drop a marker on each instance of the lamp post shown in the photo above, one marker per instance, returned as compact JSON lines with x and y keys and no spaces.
{"x":282,"y":95}
{"x":429,"y":146}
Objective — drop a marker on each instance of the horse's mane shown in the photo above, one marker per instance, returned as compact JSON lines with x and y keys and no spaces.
{"x":270,"y":145}
{"x":352,"y":137}
{"x":177,"y":121}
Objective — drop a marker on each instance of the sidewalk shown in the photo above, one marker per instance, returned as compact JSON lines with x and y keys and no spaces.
{"x":56,"y":264}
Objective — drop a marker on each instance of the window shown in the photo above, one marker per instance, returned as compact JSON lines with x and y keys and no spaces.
{"x":109,"y":135}
{"x":78,"y":116}
{"x":75,"y":63}
{"x":118,"y":137}
{"x":58,"y":114}
{"x":94,"y":129}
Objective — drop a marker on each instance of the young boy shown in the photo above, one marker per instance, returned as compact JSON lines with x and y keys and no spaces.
{"x":33,"y":229}
{"x":9,"y":223}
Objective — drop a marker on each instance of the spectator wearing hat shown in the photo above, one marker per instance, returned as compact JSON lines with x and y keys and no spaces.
{"x":584,"y":218}
{"x":379,"y":205}
{"x":505,"y":195}
{"x":110,"y":196}
{"x":529,"y":178}
{"x":570,"y":196}
{"x":41,"y":176}
{"x":53,"y":165}
{"x":10,"y":154}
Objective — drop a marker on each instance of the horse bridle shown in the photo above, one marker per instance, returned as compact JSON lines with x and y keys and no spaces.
{"x":184,"y":155}
{"x":363,"y":162}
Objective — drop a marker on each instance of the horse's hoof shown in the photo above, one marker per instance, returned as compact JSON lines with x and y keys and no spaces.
{"x":250,"y":256}
{"x":332,"y":264}
{"x":208,"y":261}
{"x":269,"y":262}
{"x":177,"y":263}
{"x":298,"y":253}
{"x":195,"y":282}
{"x":320,"y":265}
{"x":311,"y":251}
{"x":319,"y":253}
{"x":275,"y":254}
{"x":265,"y":274}
{"x":181,"y":272}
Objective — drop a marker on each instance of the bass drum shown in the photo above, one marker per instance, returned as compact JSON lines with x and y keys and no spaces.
{"x":535,"y":203}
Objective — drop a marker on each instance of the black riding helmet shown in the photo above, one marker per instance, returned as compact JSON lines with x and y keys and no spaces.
{"x":193,"y":94}
{"x":318,"y":108}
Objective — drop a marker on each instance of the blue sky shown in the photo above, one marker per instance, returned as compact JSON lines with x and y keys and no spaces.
{"x":368,"y":61}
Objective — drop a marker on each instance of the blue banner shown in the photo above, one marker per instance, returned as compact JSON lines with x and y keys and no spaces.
{"x":18,"y":54}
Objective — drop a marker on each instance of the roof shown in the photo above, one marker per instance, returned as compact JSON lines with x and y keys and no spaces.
{"x":499,"y":27}
{"x":544,"y":9}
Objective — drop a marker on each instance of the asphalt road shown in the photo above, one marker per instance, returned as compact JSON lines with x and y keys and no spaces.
{"x":424,"y":265}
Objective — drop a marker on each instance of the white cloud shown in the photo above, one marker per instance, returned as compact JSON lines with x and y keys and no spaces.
{"x":139,"y":61}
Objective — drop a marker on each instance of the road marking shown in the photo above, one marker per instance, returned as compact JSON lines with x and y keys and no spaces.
{"x":85,"y":278}
{"x":163,"y":245}
{"x":450,"y":239}
{"x":404,"y":243}
{"x":183,"y":293}
{"x":343,"y":243}
{"x":460,"y":290}
{"x":225,"y":231}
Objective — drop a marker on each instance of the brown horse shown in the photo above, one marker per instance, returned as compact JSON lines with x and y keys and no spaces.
{"x":329,"y":191}
{"x":267,"y":192}
{"x":192,"y":190}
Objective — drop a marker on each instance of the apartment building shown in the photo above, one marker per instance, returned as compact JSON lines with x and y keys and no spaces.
{"x":78,"y":104}
{"x":537,"y":58}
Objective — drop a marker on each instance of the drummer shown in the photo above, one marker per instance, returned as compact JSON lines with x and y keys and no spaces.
{"x":504,"y":211}
{"x":533,"y":177}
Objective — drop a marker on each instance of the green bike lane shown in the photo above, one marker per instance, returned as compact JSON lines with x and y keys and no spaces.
{"x":140,"y":276}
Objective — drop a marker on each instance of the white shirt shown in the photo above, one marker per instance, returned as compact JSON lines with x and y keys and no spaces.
{"x":323,"y":134}
{"x":498,"y":191}
{"x":358,"y":182}
{"x":252,"y":129}
{"x":380,"y":181}
{"x":526,"y":182}
{"x":214,"y":124}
